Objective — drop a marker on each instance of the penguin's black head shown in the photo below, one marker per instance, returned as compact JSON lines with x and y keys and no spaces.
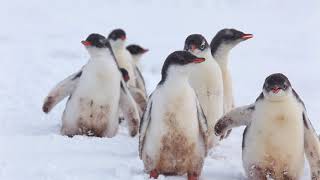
{"x":228,"y":38}
{"x":231,"y":35}
{"x":136,"y":49}
{"x":277,"y":85}
{"x":195,"y":43}
{"x":179,"y":59}
{"x":96,"y":40}
{"x":125,"y":74}
{"x":117,"y":34}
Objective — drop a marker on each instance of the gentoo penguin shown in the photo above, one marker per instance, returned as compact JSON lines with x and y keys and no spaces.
{"x":221,"y":45}
{"x":173,"y":130}
{"x":278,"y":133}
{"x":96,"y":92}
{"x":206,"y":80}
{"x":136,"y":51}
{"x":117,"y":40}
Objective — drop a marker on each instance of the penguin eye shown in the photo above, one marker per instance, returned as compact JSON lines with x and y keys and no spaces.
{"x":202,"y":47}
{"x":285,"y":86}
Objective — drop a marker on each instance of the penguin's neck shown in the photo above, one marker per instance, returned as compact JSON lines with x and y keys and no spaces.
{"x":117,"y":45}
{"x":123,"y":57}
{"x":102,"y":58}
{"x":281,"y":98}
{"x":205,"y":54}
{"x":222,"y":57}
{"x":176,"y":77}
{"x":100,"y":55}
{"x":136,"y":59}
{"x":118,"y":50}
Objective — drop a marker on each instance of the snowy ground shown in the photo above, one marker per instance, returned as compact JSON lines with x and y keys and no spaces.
{"x":40,"y":45}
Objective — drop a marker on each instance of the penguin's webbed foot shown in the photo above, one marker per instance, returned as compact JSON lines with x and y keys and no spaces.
{"x":154,"y":174}
{"x":193,"y":176}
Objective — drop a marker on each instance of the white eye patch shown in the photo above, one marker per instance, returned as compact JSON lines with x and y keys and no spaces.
{"x":103,"y":41}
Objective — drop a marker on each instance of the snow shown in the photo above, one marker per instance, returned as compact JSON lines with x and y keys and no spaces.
{"x":40,"y":45}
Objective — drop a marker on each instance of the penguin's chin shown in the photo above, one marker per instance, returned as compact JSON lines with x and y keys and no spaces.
{"x":201,"y":54}
{"x":196,"y":52}
{"x":119,"y":43}
{"x":276,"y":95}
{"x":94,"y":51}
{"x":226,"y":47}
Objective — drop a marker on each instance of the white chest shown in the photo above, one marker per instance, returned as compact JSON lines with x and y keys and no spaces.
{"x":207,"y":83}
{"x":99,"y":81}
{"x":174,"y":115}
{"x":207,"y":75}
{"x":176,"y":109}
{"x":275,"y":137}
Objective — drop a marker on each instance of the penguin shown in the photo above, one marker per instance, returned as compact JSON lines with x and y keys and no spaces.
{"x":136,"y":51}
{"x":206,"y":81}
{"x":125,"y":60}
{"x":95,"y":94}
{"x":221,"y":45}
{"x":65,"y":88}
{"x":278,"y":133}
{"x":173,"y":129}
{"x":117,"y":39}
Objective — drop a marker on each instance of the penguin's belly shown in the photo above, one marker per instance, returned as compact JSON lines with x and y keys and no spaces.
{"x":174,"y":143}
{"x":93,"y":118}
{"x":274,"y":142}
{"x":208,"y":85}
{"x":179,"y":142}
{"x":178,"y":148}
{"x":207,"y":79}
{"x":94,"y":104}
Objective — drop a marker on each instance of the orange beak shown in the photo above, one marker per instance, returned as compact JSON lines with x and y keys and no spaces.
{"x":199,"y":60}
{"x":275,"y":89}
{"x":247,"y":36}
{"x":86,"y":43}
{"x":145,"y":50}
